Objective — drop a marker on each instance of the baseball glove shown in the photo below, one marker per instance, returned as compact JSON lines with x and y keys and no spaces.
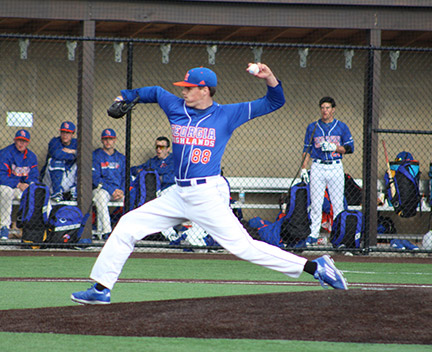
{"x":120,"y":108}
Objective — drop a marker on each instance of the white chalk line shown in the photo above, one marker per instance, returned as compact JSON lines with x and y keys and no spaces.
{"x":387,"y":273}
{"x":369,"y":286}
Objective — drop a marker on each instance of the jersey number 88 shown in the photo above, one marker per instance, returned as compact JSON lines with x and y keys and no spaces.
{"x":200,"y":156}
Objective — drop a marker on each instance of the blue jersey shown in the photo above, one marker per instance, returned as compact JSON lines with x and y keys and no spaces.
{"x":164,"y":167}
{"x":335,"y":132}
{"x":16,"y":167}
{"x":109,"y":170}
{"x":200,"y":136}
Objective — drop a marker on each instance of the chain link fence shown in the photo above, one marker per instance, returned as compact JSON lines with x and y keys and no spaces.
{"x":40,"y":91}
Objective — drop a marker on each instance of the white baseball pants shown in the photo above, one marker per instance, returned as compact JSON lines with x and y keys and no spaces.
{"x":7,"y":195}
{"x":206,"y":205}
{"x":101,"y":198}
{"x":331,"y":176}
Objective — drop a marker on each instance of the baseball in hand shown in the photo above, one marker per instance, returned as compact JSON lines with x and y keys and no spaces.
{"x":253,"y":69}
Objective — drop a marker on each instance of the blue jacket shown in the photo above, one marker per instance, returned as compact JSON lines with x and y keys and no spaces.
{"x":16,"y":167}
{"x":55,"y":151}
{"x":109,"y":170}
{"x":164,"y":167}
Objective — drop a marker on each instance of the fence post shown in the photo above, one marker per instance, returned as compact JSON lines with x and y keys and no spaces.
{"x":370,"y":138}
{"x":129,"y":79}
{"x":85,"y":121}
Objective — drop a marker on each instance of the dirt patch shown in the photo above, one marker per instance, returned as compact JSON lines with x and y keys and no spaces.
{"x":357,"y":315}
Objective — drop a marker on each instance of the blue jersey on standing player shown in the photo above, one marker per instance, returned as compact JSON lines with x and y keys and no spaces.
{"x":335,"y":132}
{"x":326,"y":140}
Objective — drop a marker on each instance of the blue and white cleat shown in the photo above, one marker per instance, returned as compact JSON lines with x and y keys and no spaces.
{"x":328,"y":274}
{"x":92,"y":296}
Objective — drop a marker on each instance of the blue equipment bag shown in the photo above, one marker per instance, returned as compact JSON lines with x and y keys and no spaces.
{"x":271,"y":233}
{"x":347,"y":230}
{"x":32,"y":214}
{"x":64,"y":224}
{"x":144,"y":188}
{"x":406,"y":180}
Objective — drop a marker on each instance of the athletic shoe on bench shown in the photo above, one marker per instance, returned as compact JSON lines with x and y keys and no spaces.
{"x":4,"y":233}
{"x":328,"y":274}
{"x":311,"y":241}
{"x":92,"y":296}
{"x":58,"y":197}
{"x":410,"y":246}
{"x":398,"y":244}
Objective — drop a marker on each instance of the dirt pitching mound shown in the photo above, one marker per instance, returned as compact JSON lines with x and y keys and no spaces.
{"x":365,"y":316}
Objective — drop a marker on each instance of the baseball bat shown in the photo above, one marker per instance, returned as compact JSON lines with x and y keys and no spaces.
{"x":390,"y":176}
{"x":304,"y":157}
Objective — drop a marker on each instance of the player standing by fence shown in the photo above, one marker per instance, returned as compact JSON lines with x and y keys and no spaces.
{"x":326,"y":140}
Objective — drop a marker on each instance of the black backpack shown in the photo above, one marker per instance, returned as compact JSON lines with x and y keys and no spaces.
{"x":386,"y":225}
{"x":296,"y":223}
{"x":347,"y":230}
{"x":144,"y":188}
{"x":353,"y":192}
{"x":406,"y":181}
{"x":32,"y":214}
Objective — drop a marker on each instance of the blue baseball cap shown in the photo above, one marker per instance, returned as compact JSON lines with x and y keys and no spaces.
{"x":23,"y":134}
{"x":108,"y":133}
{"x":198,"y":77}
{"x":68,"y":126}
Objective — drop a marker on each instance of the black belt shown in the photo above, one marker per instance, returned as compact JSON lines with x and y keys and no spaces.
{"x":326,"y":162}
{"x":188,"y":183}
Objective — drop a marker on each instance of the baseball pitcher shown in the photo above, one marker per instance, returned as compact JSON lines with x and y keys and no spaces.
{"x":201,"y":129}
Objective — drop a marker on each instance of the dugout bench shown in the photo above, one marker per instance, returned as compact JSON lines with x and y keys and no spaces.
{"x":262,"y":194}
{"x":274,"y":186}
{"x":280,"y":185}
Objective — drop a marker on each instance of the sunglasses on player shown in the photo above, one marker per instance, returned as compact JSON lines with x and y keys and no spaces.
{"x":161,"y":147}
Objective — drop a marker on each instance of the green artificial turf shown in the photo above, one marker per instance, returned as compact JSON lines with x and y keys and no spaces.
{"x":67,"y":343}
{"x":80,"y":267}
{"x":30,"y":294}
